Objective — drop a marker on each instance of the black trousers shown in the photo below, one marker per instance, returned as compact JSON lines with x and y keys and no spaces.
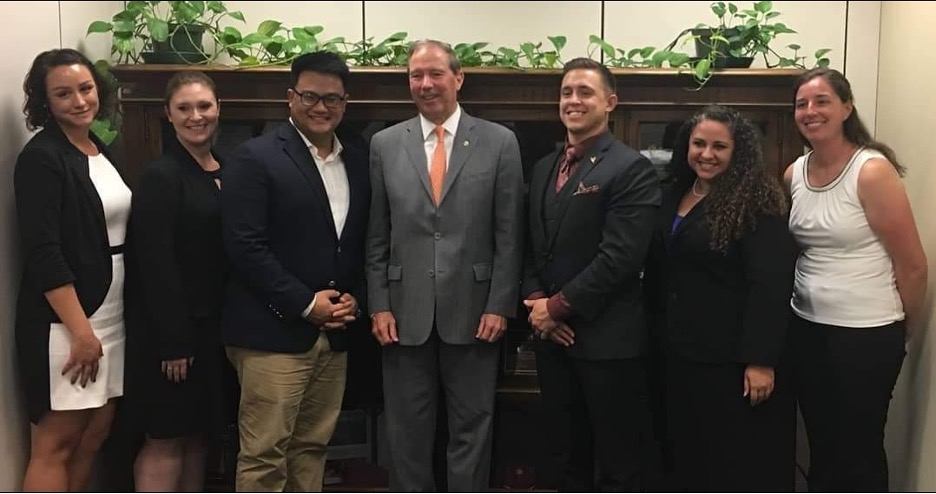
{"x":598,"y":419}
{"x":718,"y":441}
{"x":844,"y":379}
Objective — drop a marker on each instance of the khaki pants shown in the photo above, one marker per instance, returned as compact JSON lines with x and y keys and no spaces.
{"x":289,"y":406}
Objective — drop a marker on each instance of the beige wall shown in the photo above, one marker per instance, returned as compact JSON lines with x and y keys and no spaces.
{"x":906,"y":120}
{"x":849,"y":28}
{"x":624,"y":24}
{"x":29,"y":28}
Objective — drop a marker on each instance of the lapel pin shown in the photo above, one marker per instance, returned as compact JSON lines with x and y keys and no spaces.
{"x":593,"y":159}
{"x":465,"y":144}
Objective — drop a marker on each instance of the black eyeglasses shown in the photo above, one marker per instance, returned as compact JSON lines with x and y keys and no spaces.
{"x":331,"y":101}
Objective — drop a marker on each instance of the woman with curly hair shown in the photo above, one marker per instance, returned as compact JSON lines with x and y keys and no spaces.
{"x":722,"y":271}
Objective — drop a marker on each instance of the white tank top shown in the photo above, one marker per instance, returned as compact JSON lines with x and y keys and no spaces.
{"x":844,"y":276}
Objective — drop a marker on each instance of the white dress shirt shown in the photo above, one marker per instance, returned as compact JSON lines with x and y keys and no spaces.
{"x":429,"y":137}
{"x":332,"y":170}
{"x":335,"y":177}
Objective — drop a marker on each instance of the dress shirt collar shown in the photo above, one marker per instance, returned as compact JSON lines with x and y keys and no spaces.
{"x":336,"y":147}
{"x":451,"y":124}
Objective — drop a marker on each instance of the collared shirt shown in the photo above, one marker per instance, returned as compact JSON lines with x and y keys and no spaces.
{"x":429,"y":137}
{"x":332,"y":170}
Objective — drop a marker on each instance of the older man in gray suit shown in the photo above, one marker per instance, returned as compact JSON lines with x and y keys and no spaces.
{"x":443,"y":268}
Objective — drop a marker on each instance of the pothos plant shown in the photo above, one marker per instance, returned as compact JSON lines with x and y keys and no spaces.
{"x":141,"y":25}
{"x":736,"y":34}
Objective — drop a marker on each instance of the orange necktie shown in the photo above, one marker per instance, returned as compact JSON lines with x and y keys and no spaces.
{"x":437,"y":170}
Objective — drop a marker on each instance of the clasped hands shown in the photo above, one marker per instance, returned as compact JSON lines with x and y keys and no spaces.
{"x":545,"y":326}
{"x":333,"y":310}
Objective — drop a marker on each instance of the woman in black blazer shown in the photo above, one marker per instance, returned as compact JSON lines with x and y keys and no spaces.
{"x":72,"y":206}
{"x":722,"y":274}
{"x":178,"y":270}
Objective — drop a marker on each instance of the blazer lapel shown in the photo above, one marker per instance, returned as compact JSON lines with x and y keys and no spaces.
{"x":301,"y":156}
{"x":592,"y":157}
{"x":538,"y":188}
{"x":668,"y":214}
{"x":463,"y":143}
{"x":79,"y":163}
{"x":415,"y":146}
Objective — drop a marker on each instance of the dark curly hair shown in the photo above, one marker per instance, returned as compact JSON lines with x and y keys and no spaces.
{"x":743,"y":191}
{"x":36,"y":106}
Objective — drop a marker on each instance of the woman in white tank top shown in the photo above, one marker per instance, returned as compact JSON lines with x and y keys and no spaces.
{"x":859,"y":285}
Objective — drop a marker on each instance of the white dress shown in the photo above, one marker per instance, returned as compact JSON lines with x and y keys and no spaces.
{"x":108,"y":320}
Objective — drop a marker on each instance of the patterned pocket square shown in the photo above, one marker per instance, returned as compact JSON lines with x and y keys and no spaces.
{"x":582,"y":189}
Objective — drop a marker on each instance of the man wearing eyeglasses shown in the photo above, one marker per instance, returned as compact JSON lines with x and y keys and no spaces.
{"x":294,"y":213}
{"x":443,"y":267}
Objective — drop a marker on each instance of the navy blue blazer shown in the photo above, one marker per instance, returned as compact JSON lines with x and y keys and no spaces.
{"x":279,"y":235}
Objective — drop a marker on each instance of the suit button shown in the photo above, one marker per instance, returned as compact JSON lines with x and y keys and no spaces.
{"x":432,"y":273}
{"x":437,"y":235}
{"x":331,"y":284}
{"x":339,"y":249}
{"x":549,"y":257}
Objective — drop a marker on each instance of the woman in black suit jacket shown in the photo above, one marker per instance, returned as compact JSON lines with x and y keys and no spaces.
{"x":72,"y":205}
{"x":175,"y":291}
{"x":723,"y":271}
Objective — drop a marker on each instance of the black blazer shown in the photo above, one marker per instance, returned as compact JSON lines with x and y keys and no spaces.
{"x":595,"y":253}
{"x":715,"y":307}
{"x":279,"y":234}
{"x":62,"y":228}
{"x":176,"y":263}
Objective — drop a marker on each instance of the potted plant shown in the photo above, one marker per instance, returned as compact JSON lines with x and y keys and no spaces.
{"x":736,"y":39}
{"x":165,"y":32}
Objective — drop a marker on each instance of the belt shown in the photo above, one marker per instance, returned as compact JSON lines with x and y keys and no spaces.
{"x":116,"y":249}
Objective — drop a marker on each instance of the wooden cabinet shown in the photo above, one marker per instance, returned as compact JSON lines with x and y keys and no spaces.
{"x":651,"y":100}
{"x":653,"y":103}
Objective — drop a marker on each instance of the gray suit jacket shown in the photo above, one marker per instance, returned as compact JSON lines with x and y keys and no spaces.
{"x":456,"y":262}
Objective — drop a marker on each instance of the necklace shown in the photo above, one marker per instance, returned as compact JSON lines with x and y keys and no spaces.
{"x":694,"y":189}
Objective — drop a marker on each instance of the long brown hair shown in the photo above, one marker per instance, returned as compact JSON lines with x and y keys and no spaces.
{"x":853,"y":128}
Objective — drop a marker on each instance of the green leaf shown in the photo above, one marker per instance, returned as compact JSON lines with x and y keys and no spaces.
{"x":646,"y":51}
{"x":558,"y":42}
{"x":702,"y":69}
{"x":764,"y":6}
{"x":103,"y":131}
{"x":822,"y":62}
{"x":269,"y":27}
{"x":237,"y":15}
{"x":604,"y":45}
{"x":99,"y":27}
{"x":255,"y":38}
{"x":794,"y":46}
{"x":678,"y":60}
{"x":821,"y":52}
{"x":125,"y":27}
{"x":732,"y":9}
{"x":771,"y":15}
{"x":659,"y":57}
{"x":158,"y":28}
{"x":248,"y":61}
